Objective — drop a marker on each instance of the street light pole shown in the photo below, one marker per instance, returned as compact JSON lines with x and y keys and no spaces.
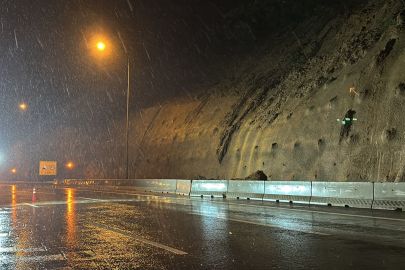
{"x":127,"y":171}
{"x":101,"y":46}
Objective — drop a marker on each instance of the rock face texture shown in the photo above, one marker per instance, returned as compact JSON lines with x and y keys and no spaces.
{"x":324,"y":102}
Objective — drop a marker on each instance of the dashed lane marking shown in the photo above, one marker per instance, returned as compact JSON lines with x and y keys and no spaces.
{"x":14,"y":249}
{"x":33,"y":205}
{"x":141,"y":239}
{"x":45,"y":258}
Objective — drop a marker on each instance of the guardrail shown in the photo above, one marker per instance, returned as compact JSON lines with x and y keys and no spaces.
{"x":351,"y":194}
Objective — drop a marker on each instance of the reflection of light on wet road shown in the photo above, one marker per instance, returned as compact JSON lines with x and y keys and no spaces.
{"x":70,"y":218}
{"x":13,"y":203}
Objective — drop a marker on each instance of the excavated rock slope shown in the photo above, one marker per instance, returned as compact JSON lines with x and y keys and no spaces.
{"x":283,"y":109}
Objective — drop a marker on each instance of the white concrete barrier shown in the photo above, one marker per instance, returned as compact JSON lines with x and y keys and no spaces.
{"x":389,"y":196}
{"x":183,"y":187}
{"x":354,"y":194}
{"x":253,"y":190}
{"x":213,"y":188}
{"x":287,"y":191}
{"x":154,"y":185}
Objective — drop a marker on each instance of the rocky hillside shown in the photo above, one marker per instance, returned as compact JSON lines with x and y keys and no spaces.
{"x":288,"y":109}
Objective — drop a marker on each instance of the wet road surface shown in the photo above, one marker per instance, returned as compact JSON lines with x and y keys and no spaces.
{"x":78,"y":229}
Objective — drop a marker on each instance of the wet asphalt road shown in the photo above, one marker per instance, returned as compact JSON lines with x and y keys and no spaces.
{"x":76,"y":229}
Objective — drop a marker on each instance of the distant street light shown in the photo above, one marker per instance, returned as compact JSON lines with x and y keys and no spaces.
{"x":101,"y":47}
{"x":14,"y":170}
{"x":23,"y":106}
{"x":70,"y":165}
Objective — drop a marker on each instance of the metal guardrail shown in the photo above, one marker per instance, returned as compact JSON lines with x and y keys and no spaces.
{"x":353,"y":194}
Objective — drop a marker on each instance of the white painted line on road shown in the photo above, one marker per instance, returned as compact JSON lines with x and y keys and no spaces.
{"x":14,"y":249}
{"x":140,"y":239}
{"x":262,"y":224}
{"x":29,"y":204}
{"x":92,"y":199}
{"x":45,"y":258}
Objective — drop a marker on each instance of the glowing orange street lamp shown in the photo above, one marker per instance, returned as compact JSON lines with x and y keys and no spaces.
{"x":14,"y":170}
{"x":23,"y":106}
{"x":101,"y":46}
{"x":70,"y":165}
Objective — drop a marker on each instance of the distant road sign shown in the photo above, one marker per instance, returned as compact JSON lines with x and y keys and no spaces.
{"x":47,"y":167}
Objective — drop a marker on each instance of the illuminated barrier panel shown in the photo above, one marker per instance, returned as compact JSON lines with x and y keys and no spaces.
{"x":354,"y":194}
{"x":213,"y":188}
{"x":153,"y":185}
{"x":183,"y":187}
{"x":287,"y":191}
{"x":253,"y":190}
{"x":389,"y":196}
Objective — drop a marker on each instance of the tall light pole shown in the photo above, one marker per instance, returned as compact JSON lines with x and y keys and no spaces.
{"x":127,"y":171}
{"x":101,"y":47}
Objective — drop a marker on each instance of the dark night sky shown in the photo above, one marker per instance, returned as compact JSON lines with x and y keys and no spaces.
{"x":48,"y":62}
{"x":175,"y":48}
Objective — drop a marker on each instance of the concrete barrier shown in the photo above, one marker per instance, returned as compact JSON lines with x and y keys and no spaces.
{"x":253,"y":190}
{"x":183,"y":187}
{"x":213,"y":188}
{"x":287,"y":191}
{"x":152,"y":185}
{"x":354,"y":194}
{"x":389,"y":196}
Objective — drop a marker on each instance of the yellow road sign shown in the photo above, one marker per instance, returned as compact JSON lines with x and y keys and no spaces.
{"x":47,"y":167}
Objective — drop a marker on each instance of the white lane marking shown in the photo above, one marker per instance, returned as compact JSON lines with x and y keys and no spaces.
{"x":33,"y":205}
{"x":262,"y":224}
{"x":14,"y":249}
{"x":92,"y":199}
{"x":45,"y":258}
{"x":140,"y":239}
